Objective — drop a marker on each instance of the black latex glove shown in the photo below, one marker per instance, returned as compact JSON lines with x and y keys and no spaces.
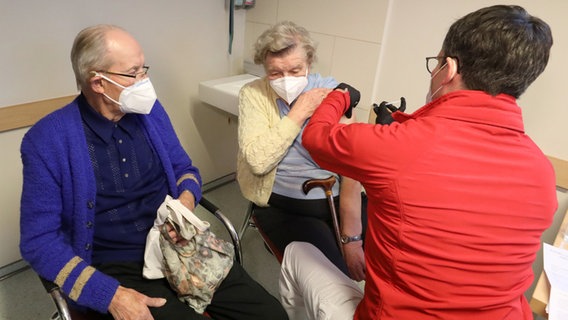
{"x":354,"y":97}
{"x":384,"y":111}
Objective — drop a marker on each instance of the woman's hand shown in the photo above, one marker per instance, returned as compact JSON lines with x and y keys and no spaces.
{"x":306,"y":104}
{"x":355,"y":259}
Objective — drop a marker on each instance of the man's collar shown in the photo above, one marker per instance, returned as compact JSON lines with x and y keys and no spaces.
{"x":102,"y":126}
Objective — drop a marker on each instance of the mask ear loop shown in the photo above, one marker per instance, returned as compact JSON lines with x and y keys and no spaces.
{"x":97,"y":74}
{"x":109,"y":79}
{"x":432,"y":94}
{"x":438,"y":71}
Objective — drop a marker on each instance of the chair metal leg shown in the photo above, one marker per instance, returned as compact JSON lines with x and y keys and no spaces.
{"x":279,"y":255}
{"x":228,"y":225}
{"x":247,"y":222}
{"x":61,"y":305}
{"x":58,"y":299}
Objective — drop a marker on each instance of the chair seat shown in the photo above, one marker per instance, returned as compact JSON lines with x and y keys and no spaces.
{"x":279,"y":255}
{"x":76,"y":315}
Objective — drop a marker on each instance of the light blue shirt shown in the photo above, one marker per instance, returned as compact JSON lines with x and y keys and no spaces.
{"x":297,"y":165}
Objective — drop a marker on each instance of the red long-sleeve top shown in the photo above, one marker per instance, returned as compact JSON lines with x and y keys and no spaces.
{"x":458,"y":195}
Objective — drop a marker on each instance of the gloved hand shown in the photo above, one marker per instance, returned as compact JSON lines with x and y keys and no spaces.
{"x":354,"y":97}
{"x":384,"y":111}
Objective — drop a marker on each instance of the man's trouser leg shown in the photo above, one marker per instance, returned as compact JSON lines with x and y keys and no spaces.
{"x":311,"y":287}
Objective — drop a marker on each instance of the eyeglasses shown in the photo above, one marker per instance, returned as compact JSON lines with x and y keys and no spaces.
{"x":432,"y":63}
{"x":137,"y":75}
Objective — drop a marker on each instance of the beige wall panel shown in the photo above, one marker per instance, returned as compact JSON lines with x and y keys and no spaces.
{"x":264,"y":11}
{"x":355,"y":63}
{"x":11,"y":187}
{"x":362,"y":20}
{"x":252,"y":32}
{"x":325,"y":51}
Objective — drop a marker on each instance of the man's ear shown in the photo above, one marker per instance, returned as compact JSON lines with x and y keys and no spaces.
{"x":451,"y":70}
{"x":96,"y":83}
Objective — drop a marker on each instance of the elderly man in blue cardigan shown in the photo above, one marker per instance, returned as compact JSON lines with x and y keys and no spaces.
{"x":95,"y":172}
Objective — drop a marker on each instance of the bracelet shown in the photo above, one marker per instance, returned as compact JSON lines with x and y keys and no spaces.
{"x":346,"y":239}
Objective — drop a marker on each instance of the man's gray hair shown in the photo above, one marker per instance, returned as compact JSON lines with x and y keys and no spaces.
{"x":89,"y":52}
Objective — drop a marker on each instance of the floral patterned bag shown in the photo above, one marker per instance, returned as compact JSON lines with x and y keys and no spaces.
{"x":194,"y":268}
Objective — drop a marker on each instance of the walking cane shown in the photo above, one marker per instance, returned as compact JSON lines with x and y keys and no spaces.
{"x":326,"y":185}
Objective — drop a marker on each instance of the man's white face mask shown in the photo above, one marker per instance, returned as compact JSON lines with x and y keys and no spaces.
{"x":431,"y":94}
{"x":137,"y":98}
{"x":289,"y":88}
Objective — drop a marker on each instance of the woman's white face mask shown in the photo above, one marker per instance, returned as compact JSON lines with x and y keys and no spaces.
{"x":137,"y":98}
{"x":290,"y":87}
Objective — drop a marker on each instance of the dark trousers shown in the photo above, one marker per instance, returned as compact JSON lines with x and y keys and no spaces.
{"x":288,"y":220}
{"x":238,"y":296}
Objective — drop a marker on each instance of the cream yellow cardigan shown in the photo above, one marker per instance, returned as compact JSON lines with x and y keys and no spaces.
{"x":264,"y":139}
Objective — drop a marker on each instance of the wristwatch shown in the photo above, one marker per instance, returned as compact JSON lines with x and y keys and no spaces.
{"x":346,"y":239}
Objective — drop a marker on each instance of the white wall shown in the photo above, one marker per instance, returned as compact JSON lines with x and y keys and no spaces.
{"x":416,"y":29}
{"x":185,"y":42}
{"x":349,"y":34}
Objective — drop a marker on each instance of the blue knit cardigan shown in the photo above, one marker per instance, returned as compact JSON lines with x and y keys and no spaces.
{"x":59,"y":192}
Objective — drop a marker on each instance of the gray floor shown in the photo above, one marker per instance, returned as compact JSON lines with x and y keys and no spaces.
{"x":23,"y":298}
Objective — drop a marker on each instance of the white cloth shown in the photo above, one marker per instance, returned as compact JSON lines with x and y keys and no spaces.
{"x":153,"y":257}
{"x":311,"y":287}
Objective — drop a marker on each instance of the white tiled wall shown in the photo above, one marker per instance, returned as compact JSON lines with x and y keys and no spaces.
{"x":349,"y":36}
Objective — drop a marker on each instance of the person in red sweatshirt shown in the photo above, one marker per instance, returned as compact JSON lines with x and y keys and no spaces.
{"x":458,"y":194}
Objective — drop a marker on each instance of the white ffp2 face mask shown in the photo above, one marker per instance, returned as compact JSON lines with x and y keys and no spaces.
{"x":137,"y":98}
{"x":289,"y":88}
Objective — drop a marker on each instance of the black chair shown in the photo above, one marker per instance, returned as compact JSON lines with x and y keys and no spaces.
{"x":250,"y":220}
{"x":65,"y":313}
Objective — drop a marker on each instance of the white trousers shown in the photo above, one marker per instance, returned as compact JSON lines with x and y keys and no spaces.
{"x":311,"y":287}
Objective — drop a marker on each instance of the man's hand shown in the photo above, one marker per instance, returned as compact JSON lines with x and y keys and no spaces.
{"x":354,"y":97}
{"x":177,"y":239}
{"x":187,"y":199}
{"x":128,"y":304}
{"x":384,"y":111}
{"x":355,"y":259}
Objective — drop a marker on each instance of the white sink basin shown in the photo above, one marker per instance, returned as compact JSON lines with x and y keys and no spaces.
{"x":224,"y":93}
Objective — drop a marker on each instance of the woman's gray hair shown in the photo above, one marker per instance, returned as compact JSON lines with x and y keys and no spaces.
{"x":281,"y":38}
{"x":89,"y":52}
